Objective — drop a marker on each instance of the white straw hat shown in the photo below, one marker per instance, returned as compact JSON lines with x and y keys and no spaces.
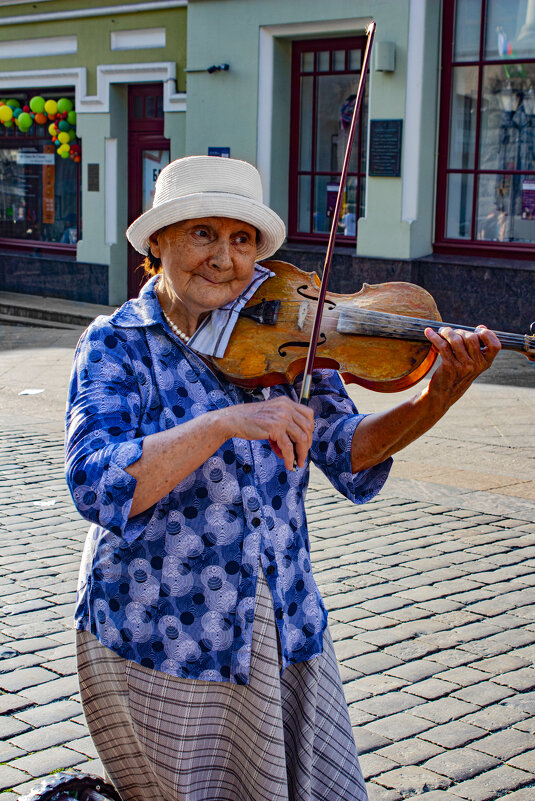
{"x":209,"y":186}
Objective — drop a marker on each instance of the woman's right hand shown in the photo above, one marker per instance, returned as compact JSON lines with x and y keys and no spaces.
{"x":287,"y":425}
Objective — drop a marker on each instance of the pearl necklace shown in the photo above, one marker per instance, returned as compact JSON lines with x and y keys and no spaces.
{"x":184,"y":337}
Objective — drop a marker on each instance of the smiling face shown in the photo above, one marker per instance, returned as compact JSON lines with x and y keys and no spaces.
{"x":206,"y":263}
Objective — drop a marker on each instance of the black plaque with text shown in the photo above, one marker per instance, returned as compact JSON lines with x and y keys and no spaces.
{"x":385,"y":148}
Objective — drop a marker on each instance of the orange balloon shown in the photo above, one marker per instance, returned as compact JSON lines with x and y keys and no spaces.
{"x":40,"y":119}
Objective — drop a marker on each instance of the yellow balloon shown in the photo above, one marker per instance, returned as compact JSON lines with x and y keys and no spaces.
{"x":51,"y":107}
{"x":52,"y":130}
{"x":6,"y":113}
{"x":64,"y":137}
{"x":64,"y":149}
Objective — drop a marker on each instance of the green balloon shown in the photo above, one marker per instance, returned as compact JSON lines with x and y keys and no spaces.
{"x":25,"y":121}
{"x":71,"y":117}
{"x":13,"y":103}
{"x":64,"y":104}
{"x":37,"y":104}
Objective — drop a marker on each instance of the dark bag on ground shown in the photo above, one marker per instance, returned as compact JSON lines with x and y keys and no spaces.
{"x":71,"y":787}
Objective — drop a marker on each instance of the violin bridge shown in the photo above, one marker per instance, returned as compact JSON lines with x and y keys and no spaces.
{"x":302,"y":316}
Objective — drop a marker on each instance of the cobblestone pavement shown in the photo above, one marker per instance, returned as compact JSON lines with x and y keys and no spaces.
{"x":430,"y":589}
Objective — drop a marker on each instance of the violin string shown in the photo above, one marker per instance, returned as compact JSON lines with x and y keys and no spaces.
{"x":383,"y":322}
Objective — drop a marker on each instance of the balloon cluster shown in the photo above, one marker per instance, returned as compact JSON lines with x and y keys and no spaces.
{"x":58,"y":113}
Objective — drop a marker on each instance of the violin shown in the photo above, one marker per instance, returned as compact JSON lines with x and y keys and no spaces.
{"x":374,"y":337}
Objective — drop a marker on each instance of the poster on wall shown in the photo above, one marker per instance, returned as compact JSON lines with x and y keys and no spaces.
{"x":49,"y":184}
{"x":153,"y":163}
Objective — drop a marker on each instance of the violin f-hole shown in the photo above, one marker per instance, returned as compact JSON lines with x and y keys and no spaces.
{"x":300,"y":291}
{"x":321,"y":339}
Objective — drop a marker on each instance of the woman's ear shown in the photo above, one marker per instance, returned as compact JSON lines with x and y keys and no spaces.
{"x":153,"y":245}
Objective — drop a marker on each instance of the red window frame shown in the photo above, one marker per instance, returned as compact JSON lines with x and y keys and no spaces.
{"x":472,"y":246}
{"x":18,"y":139}
{"x":317,"y":45}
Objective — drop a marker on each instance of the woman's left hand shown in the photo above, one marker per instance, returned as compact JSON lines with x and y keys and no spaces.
{"x":464,"y":356}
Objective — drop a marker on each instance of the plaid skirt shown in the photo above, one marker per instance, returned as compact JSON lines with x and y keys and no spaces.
{"x":280,"y":738}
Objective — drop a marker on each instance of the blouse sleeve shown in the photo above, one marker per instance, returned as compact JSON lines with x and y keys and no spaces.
{"x":336,"y":419}
{"x":103,"y":412}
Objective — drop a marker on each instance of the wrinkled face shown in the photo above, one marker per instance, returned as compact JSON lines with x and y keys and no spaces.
{"x":206,"y":262}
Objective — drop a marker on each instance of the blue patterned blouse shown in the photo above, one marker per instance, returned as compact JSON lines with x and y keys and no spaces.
{"x":173,"y":588}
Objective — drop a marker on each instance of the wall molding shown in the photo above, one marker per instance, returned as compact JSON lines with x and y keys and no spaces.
{"x":413,"y":112}
{"x":37,"y":48}
{"x":102,"y":11}
{"x":107,"y":74}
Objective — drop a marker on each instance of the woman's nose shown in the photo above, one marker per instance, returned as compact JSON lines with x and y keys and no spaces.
{"x":222,"y":255}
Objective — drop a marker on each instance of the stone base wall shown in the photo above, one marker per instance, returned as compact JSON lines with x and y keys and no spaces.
{"x":53,"y":276}
{"x":467,"y":291}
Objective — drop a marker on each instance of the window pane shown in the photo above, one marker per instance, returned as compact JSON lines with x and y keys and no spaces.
{"x":323,"y":61}
{"x":506,"y":208}
{"x":354,"y":60}
{"x":138,"y":107}
{"x":305,"y":124}
{"x":348,"y":213}
{"x":307,"y":62}
{"x":459,"y":206}
{"x":37,"y":201}
{"x":150,"y":106}
{"x":463,"y":117}
{"x":339,"y":60}
{"x":510,"y":29}
{"x":303,"y":205}
{"x":467,"y":28}
{"x":336,"y":98}
{"x":325,"y":191}
{"x":507,"y":117}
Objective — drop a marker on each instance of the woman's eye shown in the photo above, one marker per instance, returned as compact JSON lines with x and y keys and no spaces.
{"x":202,"y":232}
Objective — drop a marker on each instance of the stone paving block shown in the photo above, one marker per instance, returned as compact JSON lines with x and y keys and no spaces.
{"x":10,"y":776}
{"x":347,"y":674}
{"x":32,"y":644}
{"x":433,"y":688}
{"x":50,"y":713}
{"x":9,"y":752}
{"x":461,"y":764}
{"x":389,"y":703}
{"x":23,"y":678}
{"x":418,"y":670}
{"x":523,"y":679}
{"x":506,"y":744}
{"x":375,"y":662}
{"x":49,"y":736}
{"x":454,"y":734}
{"x":84,"y":745}
{"x":496,"y":665}
{"x":10,"y":727}
{"x":484,"y":693}
{"x":462,"y":675}
{"x":410,"y":751}
{"x":399,"y":726}
{"x":52,"y":690}
{"x":453,"y":657}
{"x":359,"y":717}
{"x":521,"y":795}
{"x":444,"y":710}
{"x":373,"y":764}
{"x":376,"y":793}
{"x":64,"y":667}
{"x":412,"y":779}
{"x":349,"y":649}
{"x":493,"y":784}
{"x":377,"y":684}
{"x":435,"y":795}
{"x":367,"y":740}
{"x":10,"y":702}
{"x":523,"y":701}
{"x":527,"y":724}
{"x":525,"y":761}
{"x":47,"y":761}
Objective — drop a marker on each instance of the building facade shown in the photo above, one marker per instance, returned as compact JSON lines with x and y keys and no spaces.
{"x":441,"y":187}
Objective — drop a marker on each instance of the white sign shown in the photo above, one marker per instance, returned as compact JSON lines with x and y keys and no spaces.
{"x":35,"y":158}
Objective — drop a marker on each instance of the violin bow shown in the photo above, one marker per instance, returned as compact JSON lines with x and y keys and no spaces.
{"x":307,"y":378}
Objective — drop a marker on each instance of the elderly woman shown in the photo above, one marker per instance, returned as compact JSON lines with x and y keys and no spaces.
{"x":206,"y":667}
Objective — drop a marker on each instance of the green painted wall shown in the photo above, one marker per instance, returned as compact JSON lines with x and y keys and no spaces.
{"x":94,"y":40}
{"x":229,"y":32}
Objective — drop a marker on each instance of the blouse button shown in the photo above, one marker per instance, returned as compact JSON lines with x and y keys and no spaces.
{"x":255,"y":521}
{"x":270,"y":570}
{"x":247,"y":468}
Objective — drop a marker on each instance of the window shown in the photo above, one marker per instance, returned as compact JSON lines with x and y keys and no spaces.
{"x":39,"y":190}
{"x":325,"y":76}
{"x":486,"y":186}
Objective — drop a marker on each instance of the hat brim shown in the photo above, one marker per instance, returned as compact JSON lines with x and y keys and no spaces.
{"x":210,"y":204}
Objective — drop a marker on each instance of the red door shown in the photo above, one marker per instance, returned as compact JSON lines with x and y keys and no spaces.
{"x":148,"y":153}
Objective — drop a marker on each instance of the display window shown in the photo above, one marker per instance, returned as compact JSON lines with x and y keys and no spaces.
{"x":40,"y":158}
{"x":325,"y":75}
{"x":486,"y":176}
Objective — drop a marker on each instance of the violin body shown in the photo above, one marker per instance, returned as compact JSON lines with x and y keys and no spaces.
{"x":270,"y":346}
